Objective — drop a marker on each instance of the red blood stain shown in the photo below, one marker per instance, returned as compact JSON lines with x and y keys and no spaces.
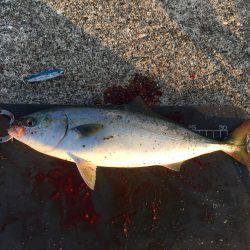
{"x":126,"y":223}
{"x":124,"y":196}
{"x":64,"y":187}
{"x":139,"y":86}
{"x":55,"y":196}
{"x":155,"y":208}
{"x":40,"y":177}
{"x":192,"y":76}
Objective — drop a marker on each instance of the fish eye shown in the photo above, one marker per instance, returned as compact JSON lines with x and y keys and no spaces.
{"x":30,"y":122}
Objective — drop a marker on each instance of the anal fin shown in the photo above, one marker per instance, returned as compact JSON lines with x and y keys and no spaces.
{"x":174,"y":166}
{"x":87,"y":170}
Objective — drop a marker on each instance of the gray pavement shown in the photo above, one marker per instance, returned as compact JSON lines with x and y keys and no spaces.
{"x":190,"y":53}
{"x":195,"y":50}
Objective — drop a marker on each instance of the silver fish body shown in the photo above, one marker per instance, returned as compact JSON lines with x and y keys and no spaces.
{"x":111,"y":138}
{"x":129,"y":140}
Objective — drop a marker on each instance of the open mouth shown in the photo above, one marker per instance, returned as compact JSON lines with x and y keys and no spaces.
{"x":16,"y":131}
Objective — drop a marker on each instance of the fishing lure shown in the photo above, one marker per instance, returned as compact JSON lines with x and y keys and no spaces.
{"x":44,"y":75}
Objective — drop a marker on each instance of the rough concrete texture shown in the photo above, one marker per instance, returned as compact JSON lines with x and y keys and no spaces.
{"x":196,"y":50}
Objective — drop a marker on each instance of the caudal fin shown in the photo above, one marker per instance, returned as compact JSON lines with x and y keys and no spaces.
{"x":240,"y":138}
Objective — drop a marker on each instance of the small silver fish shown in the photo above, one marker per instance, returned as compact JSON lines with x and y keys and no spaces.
{"x":44,"y":75}
{"x":93,"y":137}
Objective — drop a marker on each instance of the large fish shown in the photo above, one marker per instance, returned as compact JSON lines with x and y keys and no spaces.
{"x":93,"y":137}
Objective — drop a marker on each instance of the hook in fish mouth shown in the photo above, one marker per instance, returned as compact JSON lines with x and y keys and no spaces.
{"x":7,"y":113}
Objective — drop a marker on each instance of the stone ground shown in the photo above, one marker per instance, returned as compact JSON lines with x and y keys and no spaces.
{"x":194,"y":53}
{"x":195,"y":50}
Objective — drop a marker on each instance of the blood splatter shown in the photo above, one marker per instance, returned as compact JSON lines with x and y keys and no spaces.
{"x":192,"y":76}
{"x":64,"y":187}
{"x":155,"y":208}
{"x":55,"y":196}
{"x":40,"y":177}
{"x":139,"y":86}
{"x":126,"y":223}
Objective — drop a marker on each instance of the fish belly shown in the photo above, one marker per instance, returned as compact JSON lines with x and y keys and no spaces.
{"x":145,"y":155}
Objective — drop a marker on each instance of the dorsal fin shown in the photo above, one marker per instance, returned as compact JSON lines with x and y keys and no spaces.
{"x":138,"y":105}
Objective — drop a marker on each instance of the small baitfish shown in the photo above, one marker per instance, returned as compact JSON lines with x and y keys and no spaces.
{"x":44,"y":75}
{"x":93,"y":137}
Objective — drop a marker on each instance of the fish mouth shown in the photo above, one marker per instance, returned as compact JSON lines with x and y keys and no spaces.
{"x":16,"y":131}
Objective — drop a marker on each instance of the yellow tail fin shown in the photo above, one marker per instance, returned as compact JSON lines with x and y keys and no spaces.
{"x":240,"y":138}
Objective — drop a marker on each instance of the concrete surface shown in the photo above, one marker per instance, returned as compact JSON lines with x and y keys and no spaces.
{"x":196,"y":50}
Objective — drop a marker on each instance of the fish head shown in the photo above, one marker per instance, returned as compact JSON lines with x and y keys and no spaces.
{"x":60,"y":71}
{"x":42,"y":131}
{"x":56,"y":72}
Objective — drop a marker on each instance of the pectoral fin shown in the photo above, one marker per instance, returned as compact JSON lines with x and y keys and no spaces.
{"x":88,"y":129}
{"x":87,"y":171}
